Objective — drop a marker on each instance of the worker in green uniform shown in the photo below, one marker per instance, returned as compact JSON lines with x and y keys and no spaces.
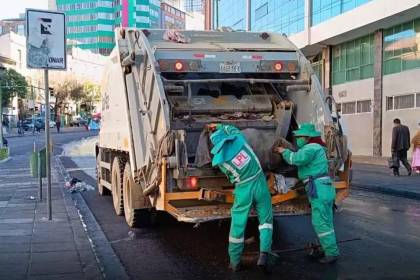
{"x":235,"y":158}
{"x":312,"y":165}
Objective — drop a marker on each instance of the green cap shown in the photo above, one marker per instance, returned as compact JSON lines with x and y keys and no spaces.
{"x":307,"y":129}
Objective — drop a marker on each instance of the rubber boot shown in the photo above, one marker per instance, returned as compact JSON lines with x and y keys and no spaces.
{"x":328,"y":259}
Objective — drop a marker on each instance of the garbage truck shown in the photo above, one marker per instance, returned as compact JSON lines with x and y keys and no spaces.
{"x":160,"y":90}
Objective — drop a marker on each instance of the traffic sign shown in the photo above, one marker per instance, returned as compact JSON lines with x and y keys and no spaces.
{"x":45,"y":40}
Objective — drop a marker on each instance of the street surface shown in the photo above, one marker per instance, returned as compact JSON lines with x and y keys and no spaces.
{"x":388,"y":226}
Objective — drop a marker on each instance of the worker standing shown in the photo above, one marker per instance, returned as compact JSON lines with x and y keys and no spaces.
{"x":236,"y":159}
{"x":312,"y":165}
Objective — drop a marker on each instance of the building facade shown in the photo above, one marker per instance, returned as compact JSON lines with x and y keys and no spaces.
{"x":16,"y":25}
{"x":366,"y":53}
{"x":91,"y":23}
{"x":171,"y":17}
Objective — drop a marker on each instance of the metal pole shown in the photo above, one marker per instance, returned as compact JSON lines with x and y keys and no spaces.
{"x":248,"y":15}
{"x":47,"y":142}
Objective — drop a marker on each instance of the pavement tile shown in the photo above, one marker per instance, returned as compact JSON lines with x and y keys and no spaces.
{"x":27,"y":206}
{"x":53,"y":247}
{"x":17,"y":269}
{"x":58,"y":267}
{"x":51,"y":237}
{"x":15,"y":247}
{"x":16,"y":221}
{"x":15,"y":226}
{"x":15,"y":239}
{"x":3,"y":203}
{"x":13,"y":258}
{"x":52,"y":257}
{"x":15,"y":232}
{"x":72,"y":276}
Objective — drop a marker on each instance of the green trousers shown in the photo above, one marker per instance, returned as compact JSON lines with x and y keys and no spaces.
{"x":247,"y":195}
{"x":323,"y":219}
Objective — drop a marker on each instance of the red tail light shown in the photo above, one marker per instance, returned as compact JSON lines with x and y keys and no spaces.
{"x":191,"y":183}
{"x":277,"y":66}
{"x":179,"y":66}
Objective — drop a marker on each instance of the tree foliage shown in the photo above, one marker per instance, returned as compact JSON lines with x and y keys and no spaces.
{"x":13,"y":84}
{"x":70,"y":89}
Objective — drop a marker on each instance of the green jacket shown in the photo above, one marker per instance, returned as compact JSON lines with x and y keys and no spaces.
{"x":228,"y":141}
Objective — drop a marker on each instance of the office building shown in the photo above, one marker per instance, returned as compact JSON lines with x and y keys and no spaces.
{"x":91,"y":24}
{"x":365,"y":53}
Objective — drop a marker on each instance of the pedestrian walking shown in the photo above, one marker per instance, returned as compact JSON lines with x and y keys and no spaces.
{"x":416,"y":152}
{"x":400,"y":146}
{"x":236,"y":159}
{"x":58,"y":123}
{"x":312,"y":164}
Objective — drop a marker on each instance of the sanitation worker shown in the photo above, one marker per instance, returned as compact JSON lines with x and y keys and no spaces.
{"x":236,"y":159}
{"x":312,"y":164}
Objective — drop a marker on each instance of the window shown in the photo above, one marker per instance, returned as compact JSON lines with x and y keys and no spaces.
{"x":353,"y":60}
{"x":348,"y":108}
{"x":338,"y":107}
{"x":402,"y":47}
{"x":261,"y":11}
{"x":389,"y":103}
{"x":404,"y":101}
{"x":418,"y":100}
{"x":364,"y":106}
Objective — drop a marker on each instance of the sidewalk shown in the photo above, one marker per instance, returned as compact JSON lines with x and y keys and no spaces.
{"x":31,"y":246}
{"x":379,"y":178}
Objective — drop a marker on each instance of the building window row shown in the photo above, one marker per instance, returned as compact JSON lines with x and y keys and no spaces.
{"x":106,"y":16}
{"x":355,"y":107}
{"x":402,"y":47}
{"x":405,"y":101}
{"x":82,"y":29}
{"x":77,"y":6}
{"x":81,"y":17}
{"x":88,"y":40}
{"x":261,"y":11}
{"x":106,"y":39}
{"x":353,"y":60}
{"x":193,"y":5}
{"x":323,"y":10}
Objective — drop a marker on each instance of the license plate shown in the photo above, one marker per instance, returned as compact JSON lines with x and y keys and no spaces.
{"x":230,"y":67}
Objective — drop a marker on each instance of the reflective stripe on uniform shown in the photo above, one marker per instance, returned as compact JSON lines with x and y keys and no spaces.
{"x":265,"y":226}
{"x":325,"y":233}
{"x":233,"y":171}
{"x":323,"y":178}
{"x":250,"y":178}
{"x":292,"y":154}
{"x":236,"y":240}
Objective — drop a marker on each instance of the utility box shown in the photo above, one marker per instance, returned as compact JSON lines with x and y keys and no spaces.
{"x":38,"y":164}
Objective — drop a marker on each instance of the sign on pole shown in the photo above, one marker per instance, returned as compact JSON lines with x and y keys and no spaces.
{"x":45,"y":40}
{"x":46,"y":49}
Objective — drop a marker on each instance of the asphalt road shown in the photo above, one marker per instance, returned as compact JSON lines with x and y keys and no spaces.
{"x":388,"y":227}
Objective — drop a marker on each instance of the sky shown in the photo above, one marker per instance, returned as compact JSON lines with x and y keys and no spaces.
{"x":15,"y":7}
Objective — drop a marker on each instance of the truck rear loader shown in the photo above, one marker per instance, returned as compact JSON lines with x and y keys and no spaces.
{"x":160,"y":90}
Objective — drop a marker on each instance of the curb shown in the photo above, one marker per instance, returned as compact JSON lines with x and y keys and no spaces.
{"x":388,"y":191}
{"x":106,"y":258}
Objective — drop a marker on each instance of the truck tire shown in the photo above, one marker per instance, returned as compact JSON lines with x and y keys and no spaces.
{"x":116,"y":185}
{"x":136,"y":206}
{"x":101,"y":189}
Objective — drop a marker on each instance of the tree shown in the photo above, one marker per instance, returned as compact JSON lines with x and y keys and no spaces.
{"x":69,"y":89}
{"x":13,"y":84}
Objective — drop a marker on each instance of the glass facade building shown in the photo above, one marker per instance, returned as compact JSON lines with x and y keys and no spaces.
{"x":283,"y":16}
{"x":91,"y":23}
{"x":353,"y":60}
{"x":323,"y":10}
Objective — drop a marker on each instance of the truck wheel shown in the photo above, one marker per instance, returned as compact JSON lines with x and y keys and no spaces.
{"x":136,"y":206}
{"x":101,"y":189}
{"x":116,"y":185}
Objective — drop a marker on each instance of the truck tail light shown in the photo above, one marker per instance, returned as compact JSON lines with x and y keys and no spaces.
{"x":291,"y":67}
{"x":191,"y":183}
{"x":277,"y":66}
{"x":179,"y":66}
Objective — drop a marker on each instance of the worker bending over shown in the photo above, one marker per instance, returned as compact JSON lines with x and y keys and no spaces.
{"x":236,"y":159}
{"x":312,"y":164}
